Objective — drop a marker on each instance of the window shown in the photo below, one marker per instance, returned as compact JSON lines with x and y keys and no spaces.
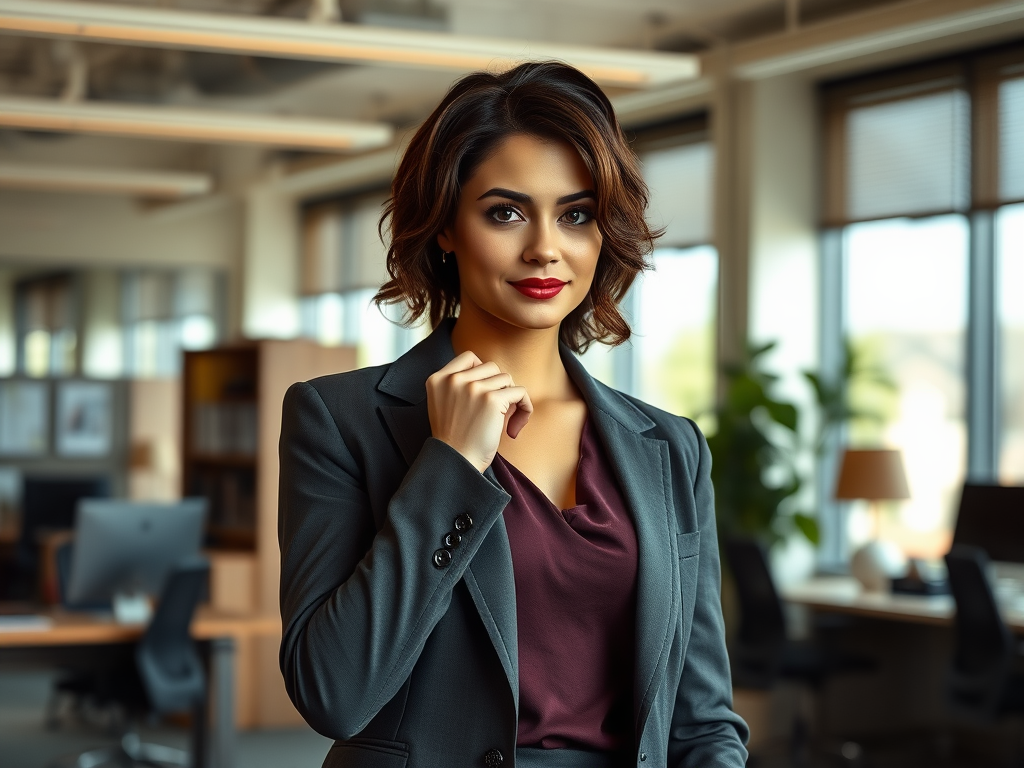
{"x":1010,"y":281}
{"x":907,"y":314}
{"x":47,"y":321}
{"x":924,"y":176}
{"x":164,"y":313}
{"x":670,"y":359}
{"x":343,"y":265}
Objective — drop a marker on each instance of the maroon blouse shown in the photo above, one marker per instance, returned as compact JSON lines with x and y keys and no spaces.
{"x":575,"y":577}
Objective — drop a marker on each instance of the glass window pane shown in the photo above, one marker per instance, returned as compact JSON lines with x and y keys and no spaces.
{"x":1011,"y":139}
{"x":1010,"y":280}
{"x":909,"y":156}
{"x":198,"y":332}
{"x":907,"y":313}
{"x":675,"y":331}
{"x":37,"y":353}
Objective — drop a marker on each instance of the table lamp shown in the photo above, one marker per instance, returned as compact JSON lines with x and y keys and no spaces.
{"x":874,"y":475}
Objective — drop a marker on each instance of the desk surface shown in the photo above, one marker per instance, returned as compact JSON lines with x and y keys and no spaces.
{"x":845,"y":595}
{"x":72,"y":628}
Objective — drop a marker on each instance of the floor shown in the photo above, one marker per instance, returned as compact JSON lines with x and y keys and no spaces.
{"x":26,"y":743}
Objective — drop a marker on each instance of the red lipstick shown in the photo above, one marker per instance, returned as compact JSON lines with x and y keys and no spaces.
{"x":537,"y":288}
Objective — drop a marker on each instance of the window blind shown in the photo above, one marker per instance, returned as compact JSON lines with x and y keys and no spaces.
{"x":680,"y":182}
{"x":1011,"y":139}
{"x":907,"y":157}
{"x":196,"y":293}
{"x":341,"y":250}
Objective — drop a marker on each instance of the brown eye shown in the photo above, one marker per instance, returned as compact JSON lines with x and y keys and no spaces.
{"x":577,"y":216}
{"x":504,"y":214}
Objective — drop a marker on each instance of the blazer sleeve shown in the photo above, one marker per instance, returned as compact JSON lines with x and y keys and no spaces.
{"x":705,"y":730}
{"x":358,"y":604}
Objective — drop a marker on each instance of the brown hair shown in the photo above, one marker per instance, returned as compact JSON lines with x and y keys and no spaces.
{"x":548,"y":100}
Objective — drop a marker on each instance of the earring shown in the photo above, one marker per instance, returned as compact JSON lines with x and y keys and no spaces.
{"x":444,"y":256}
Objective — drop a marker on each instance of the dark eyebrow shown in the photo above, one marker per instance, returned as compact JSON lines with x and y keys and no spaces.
{"x":521,"y":197}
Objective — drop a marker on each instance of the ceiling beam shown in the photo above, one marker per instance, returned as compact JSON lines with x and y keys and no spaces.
{"x":348,"y":43}
{"x":163,"y":185}
{"x":192,"y":125}
{"x":870,"y":32}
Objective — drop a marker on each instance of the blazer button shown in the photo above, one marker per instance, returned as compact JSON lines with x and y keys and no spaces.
{"x":463,"y":522}
{"x":493,"y":758}
{"x":452,"y":540}
{"x":442,"y":558}
{"x":643,"y":757}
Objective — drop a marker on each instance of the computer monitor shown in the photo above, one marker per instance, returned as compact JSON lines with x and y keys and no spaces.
{"x":992,"y":517}
{"x":47,"y":502}
{"x":125,"y":550}
{"x":50,"y":501}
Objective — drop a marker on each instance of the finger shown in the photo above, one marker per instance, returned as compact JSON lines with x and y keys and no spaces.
{"x":491,"y":383}
{"x":463,"y":362}
{"x":521,"y":415}
{"x":477,"y":373}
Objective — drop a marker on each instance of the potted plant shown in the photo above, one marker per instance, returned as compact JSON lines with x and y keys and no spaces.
{"x":753,"y":450}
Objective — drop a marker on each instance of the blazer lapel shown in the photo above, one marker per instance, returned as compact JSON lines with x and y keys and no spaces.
{"x":489,"y":577}
{"x":642,"y":469}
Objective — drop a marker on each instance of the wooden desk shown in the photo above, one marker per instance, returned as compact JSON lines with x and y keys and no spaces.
{"x":74,"y":628}
{"x":845,"y":595}
{"x":214,"y":741}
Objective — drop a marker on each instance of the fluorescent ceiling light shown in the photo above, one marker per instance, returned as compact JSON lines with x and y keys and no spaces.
{"x":296,"y":39}
{"x":173,"y":123}
{"x":152,"y":184}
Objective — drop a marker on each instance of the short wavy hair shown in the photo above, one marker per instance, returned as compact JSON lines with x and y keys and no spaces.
{"x":548,"y":100}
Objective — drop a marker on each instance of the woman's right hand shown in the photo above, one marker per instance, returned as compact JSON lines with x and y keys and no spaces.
{"x":469,"y":402}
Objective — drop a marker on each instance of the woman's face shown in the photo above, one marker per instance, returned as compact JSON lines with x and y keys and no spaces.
{"x":524,"y":236}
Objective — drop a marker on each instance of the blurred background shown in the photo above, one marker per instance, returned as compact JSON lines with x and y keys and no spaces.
{"x":189,"y":197}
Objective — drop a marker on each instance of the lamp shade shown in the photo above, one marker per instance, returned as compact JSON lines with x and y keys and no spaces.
{"x":875,"y":475}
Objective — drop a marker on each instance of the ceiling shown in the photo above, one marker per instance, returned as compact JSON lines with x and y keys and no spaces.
{"x":40,"y":67}
{"x":31,"y":66}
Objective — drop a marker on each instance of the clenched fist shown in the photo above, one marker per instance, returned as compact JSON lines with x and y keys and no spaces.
{"x":469,"y":402}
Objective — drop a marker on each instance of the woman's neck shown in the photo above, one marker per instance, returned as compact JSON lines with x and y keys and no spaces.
{"x":530,"y":356}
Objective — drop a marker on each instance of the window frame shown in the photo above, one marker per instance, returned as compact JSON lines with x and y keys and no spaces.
{"x":980,"y":74}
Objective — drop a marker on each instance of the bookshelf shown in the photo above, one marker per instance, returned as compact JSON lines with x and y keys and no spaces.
{"x":231,"y":423}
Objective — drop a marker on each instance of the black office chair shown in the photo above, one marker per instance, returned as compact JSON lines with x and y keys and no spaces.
{"x":762,"y":654}
{"x":982,"y":684}
{"x":166,"y":676}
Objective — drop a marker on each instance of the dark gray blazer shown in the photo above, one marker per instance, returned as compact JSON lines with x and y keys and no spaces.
{"x":408,"y":657}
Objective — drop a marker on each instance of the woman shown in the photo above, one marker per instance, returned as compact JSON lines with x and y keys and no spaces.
{"x":489,"y":558}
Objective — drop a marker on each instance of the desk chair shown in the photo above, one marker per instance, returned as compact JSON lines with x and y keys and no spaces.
{"x":982,"y":684}
{"x":166,"y":677}
{"x":762,"y":653}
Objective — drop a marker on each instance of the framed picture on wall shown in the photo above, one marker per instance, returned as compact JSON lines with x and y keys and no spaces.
{"x":24,"y":418}
{"x":84,"y":425}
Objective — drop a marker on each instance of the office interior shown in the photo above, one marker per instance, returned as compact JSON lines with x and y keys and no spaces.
{"x":188,"y":225}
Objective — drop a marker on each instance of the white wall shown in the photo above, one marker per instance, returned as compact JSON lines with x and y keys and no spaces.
{"x":783,"y":260}
{"x":47,"y":229}
{"x":270,"y":273}
{"x":783,"y":235}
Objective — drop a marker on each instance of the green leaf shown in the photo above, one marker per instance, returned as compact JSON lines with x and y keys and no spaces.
{"x":808,"y":526}
{"x":782,"y":413}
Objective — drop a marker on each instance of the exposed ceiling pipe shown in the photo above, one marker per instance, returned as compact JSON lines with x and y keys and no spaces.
{"x":76,"y":87}
{"x":792,"y":15}
{"x":324,"y":11}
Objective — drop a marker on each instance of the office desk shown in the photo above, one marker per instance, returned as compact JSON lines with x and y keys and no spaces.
{"x":845,"y":595}
{"x":213,"y":740}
